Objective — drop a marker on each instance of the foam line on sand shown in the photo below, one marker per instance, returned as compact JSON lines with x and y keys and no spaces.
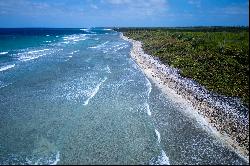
{"x":224,"y":117}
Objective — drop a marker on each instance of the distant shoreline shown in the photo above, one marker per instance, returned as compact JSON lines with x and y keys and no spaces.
{"x":230,"y":124}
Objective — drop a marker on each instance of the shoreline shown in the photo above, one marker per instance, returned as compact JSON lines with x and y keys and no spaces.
{"x":225,"y":118}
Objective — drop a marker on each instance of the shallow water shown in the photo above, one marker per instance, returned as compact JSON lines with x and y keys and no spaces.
{"x":75,"y":96}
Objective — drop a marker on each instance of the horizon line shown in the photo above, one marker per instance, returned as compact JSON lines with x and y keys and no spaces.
{"x":129,"y":27}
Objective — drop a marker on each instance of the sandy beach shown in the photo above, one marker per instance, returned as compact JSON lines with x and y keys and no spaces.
{"x":224,"y":118}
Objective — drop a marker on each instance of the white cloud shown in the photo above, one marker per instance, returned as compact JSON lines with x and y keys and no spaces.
{"x":119,"y":2}
{"x":35,"y":8}
{"x":137,"y":3}
{"x":94,"y":6}
{"x":233,"y":9}
{"x":23,"y":7}
{"x":196,"y":3}
{"x":140,"y":7}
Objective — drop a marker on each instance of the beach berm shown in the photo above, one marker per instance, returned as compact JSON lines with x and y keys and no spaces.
{"x":228,"y":117}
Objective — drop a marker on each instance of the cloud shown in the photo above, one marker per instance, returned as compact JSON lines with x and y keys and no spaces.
{"x":139,"y":3}
{"x":22,"y":6}
{"x":234,"y":9}
{"x":94,"y":6}
{"x":119,"y":2}
{"x":37,"y":8}
{"x":115,"y":8}
{"x":196,"y":3}
{"x":140,"y":7}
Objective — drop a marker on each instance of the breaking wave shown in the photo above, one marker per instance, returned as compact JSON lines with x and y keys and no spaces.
{"x":93,"y":92}
{"x":6,"y":67}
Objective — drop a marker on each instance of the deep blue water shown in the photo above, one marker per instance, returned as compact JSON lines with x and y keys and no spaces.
{"x":75,"y":96}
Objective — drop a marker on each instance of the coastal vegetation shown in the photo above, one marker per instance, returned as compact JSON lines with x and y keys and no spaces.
{"x":216,"y":57}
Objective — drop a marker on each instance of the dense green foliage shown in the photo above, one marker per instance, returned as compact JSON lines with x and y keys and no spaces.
{"x":216,"y":58}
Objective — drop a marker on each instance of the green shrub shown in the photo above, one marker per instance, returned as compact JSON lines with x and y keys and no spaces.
{"x":216,"y":57}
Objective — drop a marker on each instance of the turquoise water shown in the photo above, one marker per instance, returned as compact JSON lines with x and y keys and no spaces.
{"x":75,"y":96}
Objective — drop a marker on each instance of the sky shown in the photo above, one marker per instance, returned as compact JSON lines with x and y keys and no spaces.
{"x":123,"y":13}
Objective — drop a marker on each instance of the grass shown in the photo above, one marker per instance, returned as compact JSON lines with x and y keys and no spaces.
{"x":216,"y":57}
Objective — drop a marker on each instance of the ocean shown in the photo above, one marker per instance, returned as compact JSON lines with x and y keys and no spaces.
{"x":75,"y":96}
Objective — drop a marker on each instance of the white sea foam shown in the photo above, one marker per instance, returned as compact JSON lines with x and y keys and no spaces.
{"x":30,"y":55}
{"x":108,"y":69}
{"x":27,"y":58}
{"x":84,"y":29}
{"x":66,"y":42}
{"x":2,"y":85}
{"x":74,"y":52}
{"x":148,"y":109}
{"x":49,"y":160}
{"x":149,"y":86}
{"x":77,"y":90}
{"x":100,"y":45}
{"x":162,"y":159}
{"x":105,"y":48}
{"x":48,"y":41}
{"x":36,"y":51}
{"x":47,"y":35}
{"x":6,"y":67}
{"x":74,"y":38}
{"x":94,"y":91}
{"x":119,"y":47}
{"x":88,"y":30}
{"x":158,"y":135}
{"x":56,"y":160}
{"x":3,"y":53}
{"x":107,"y":29}
{"x":88,"y":59}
